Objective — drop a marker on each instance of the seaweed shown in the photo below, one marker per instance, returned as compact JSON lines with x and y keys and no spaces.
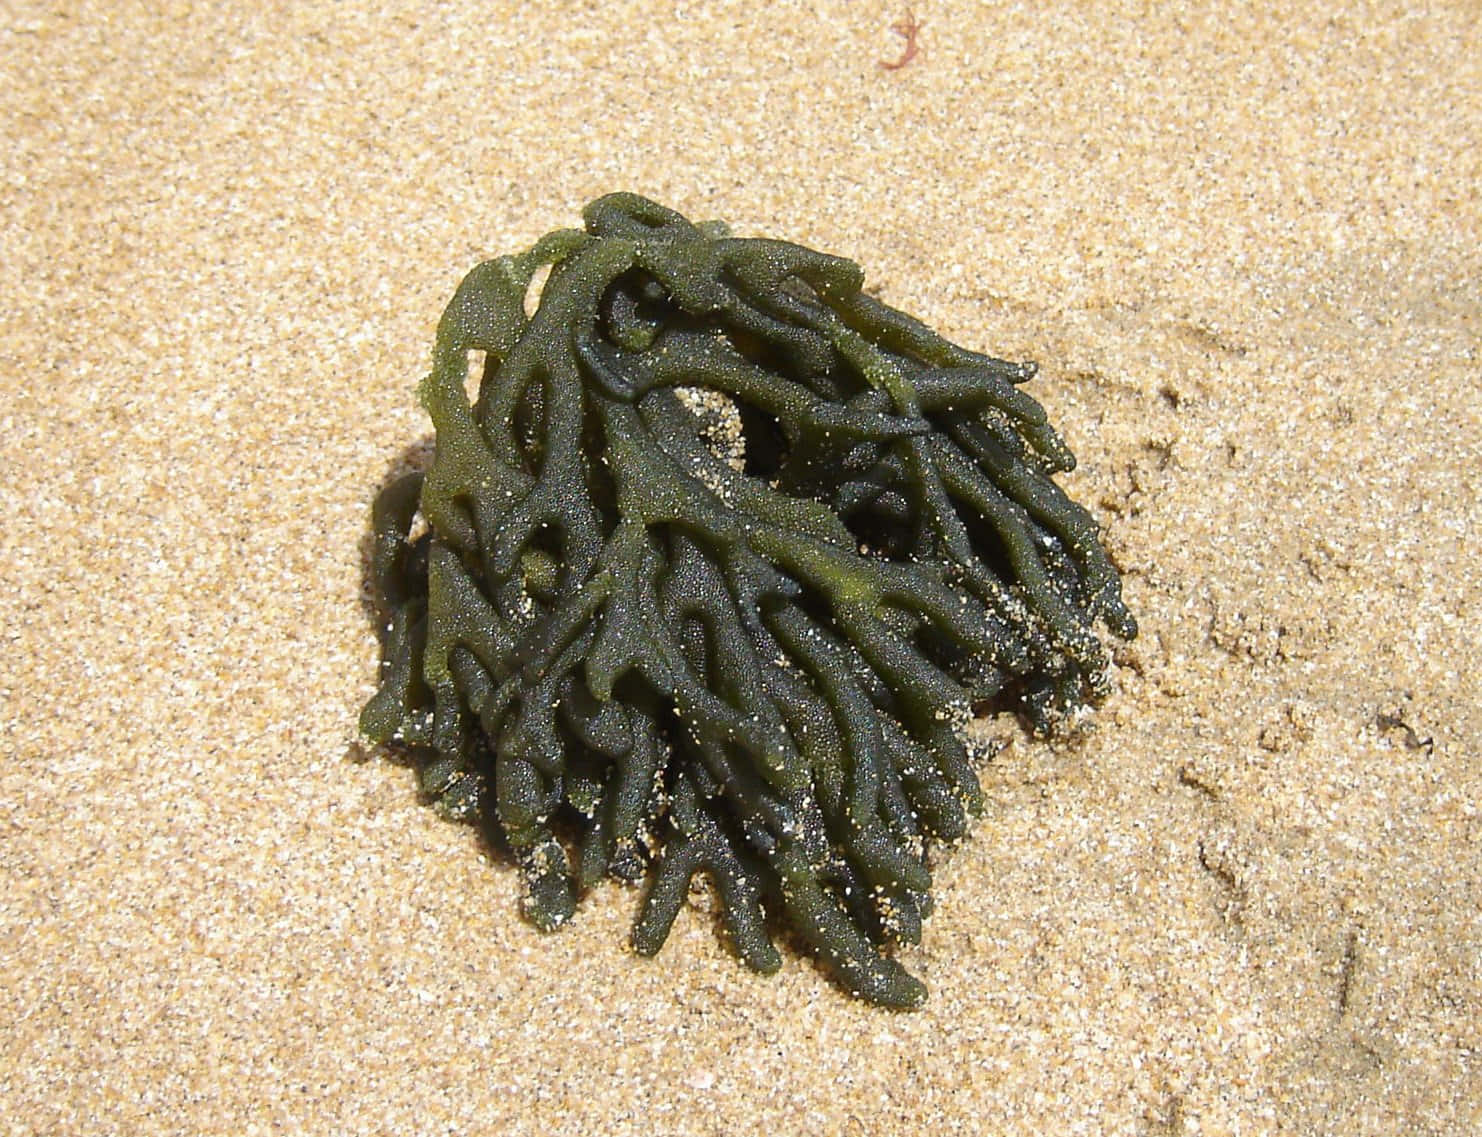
{"x":710,"y":576}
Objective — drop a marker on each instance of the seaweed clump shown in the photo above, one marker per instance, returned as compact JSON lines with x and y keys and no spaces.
{"x":710,"y":575}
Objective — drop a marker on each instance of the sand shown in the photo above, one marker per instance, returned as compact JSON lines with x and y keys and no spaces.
{"x":1244,"y":248}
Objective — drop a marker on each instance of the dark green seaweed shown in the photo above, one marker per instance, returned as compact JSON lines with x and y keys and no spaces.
{"x":710,"y":576}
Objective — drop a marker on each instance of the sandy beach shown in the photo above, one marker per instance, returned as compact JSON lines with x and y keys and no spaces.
{"x":1243,"y":243}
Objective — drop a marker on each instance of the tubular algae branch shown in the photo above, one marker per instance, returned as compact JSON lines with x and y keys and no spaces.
{"x":710,"y":576}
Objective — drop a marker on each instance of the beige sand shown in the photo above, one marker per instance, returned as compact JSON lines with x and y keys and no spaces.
{"x":1245,"y":250}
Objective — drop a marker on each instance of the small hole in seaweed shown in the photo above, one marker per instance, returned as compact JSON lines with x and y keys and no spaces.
{"x":881,"y":518}
{"x":530,"y":425}
{"x":939,"y":649}
{"x":752,"y":348}
{"x":634,"y":309}
{"x":535,"y":288}
{"x":474,"y":378}
{"x":986,"y":543}
{"x":766,"y":445}
{"x":419,"y":528}
{"x":719,"y":420}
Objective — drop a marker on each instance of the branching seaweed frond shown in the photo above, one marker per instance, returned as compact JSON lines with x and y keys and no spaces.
{"x":712,"y":572}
